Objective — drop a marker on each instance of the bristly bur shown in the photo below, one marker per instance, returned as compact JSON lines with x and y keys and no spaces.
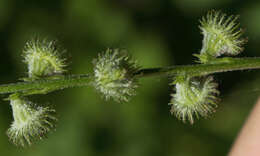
{"x":31,"y":122}
{"x":221,"y":35}
{"x":43,"y":58}
{"x":114,"y":74}
{"x":193,"y":97}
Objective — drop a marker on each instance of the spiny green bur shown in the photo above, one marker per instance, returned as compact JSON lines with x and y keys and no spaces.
{"x":31,"y":122}
{"x":43,"y":58}
{"x":222,"y":35}
{"x":114,"y":74}
{"x":194,"y":96}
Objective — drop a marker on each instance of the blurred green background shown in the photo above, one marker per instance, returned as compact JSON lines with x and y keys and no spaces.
{"x":157,"y":33}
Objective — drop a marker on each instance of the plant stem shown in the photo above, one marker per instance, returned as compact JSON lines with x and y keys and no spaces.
{"x":220,"y":65}
{"x":47,"y":84}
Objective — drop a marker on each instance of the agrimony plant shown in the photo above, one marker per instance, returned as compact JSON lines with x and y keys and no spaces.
{"x":116,"y":74}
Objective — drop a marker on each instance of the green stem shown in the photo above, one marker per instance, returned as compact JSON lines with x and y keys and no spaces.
{"x":220,"y":65}
{"x":46,"y":85}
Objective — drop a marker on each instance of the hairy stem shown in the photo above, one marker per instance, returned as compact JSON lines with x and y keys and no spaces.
{"x":46,"y":84}
{"x":219,"y":65}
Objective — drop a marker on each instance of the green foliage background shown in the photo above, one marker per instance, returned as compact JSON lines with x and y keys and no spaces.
{"x":157,"y":33}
